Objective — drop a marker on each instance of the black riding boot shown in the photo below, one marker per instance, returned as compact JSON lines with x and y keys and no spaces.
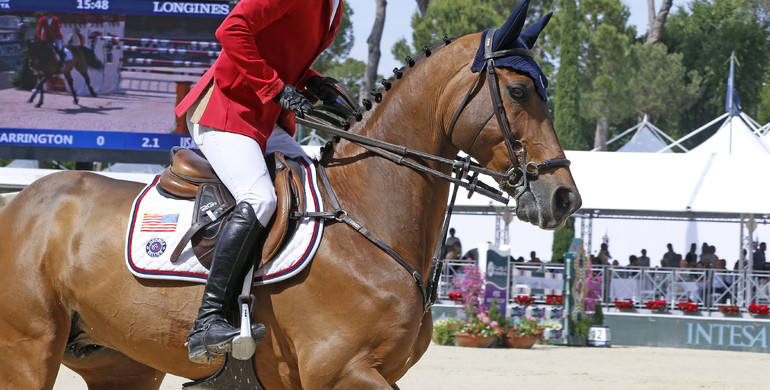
{"x":211,"y":335}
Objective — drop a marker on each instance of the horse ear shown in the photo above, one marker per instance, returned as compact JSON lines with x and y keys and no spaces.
{"x":507,"y":34}
{"x":529,"y":36}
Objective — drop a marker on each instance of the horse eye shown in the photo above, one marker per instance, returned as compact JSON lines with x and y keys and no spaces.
{"x":517,"y":93}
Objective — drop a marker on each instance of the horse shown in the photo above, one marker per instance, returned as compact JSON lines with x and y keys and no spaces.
{"x":353,"y":318}
{"x":45,"y":64}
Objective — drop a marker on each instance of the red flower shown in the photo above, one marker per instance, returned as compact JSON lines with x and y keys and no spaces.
{"x":656,"y":305}
{"x":688,"y":307}
{"x":524,"y":300}
{"x":624,"y":304}
{"x":729,"y":310}
{"x":554,"y":300}
{"x":759,"y":309}
{"x":456,"y":296}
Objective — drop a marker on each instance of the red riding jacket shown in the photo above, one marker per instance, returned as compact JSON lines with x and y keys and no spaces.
{"x":265,"y":43}
{"x":47,"y":31}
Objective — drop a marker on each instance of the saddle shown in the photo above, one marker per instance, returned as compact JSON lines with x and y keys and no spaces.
{"x":190,"y":176}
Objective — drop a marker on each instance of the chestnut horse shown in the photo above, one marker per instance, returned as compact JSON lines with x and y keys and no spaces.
{"x":353,"y":319}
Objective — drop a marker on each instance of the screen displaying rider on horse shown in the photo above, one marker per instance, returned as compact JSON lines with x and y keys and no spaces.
{"x":49,"y":58}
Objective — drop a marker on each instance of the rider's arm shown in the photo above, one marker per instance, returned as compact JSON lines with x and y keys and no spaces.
{"x":236,"y":34}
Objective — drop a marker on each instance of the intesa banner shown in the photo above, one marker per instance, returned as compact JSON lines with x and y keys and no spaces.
{"x":218,"y":9}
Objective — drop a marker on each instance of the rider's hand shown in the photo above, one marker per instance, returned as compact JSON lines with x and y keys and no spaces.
{"x":314,"y":86}
{"x":293,"y":101}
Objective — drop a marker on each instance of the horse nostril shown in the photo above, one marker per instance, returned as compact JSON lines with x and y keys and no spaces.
{"x":562,"y":201}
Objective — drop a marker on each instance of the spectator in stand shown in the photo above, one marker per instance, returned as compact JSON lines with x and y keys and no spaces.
{"x":604,"y":257}
{"x":745,"y":258}
{"x":454,"y":252}
{"x":643,"y":260}
{"x":451,"y":241}
{"x":704,"y":250}
{"x":684,"y":276}
{"x":633,"y":261}
{"x":670,"y":257}
{"x":533,"y":258}
{"x":709,"y":258}
{"x":691,"y":257}
{"x":721,"y":281}
{"x":759,"y":258}
{"x":615,"y":263}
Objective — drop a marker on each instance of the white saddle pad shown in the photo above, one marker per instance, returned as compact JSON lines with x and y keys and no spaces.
{"x":158,"y":222}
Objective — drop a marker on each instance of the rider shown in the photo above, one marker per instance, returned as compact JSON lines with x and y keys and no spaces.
{"x":49,"y":30}
{"x":267,"y":49}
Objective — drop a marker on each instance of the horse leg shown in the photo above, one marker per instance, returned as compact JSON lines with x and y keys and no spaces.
{"x":41,"y":89}
{"x":34,"y":328}
{"x":68,"y":77}
{"x":38,"y":88}
{"x":108,"y":369}
{"x":84,"y":73}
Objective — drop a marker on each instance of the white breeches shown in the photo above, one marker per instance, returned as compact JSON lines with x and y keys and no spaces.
{"x":240,"y":164}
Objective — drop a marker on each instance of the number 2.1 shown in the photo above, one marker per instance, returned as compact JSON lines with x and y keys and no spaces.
{"x":150,"y":142}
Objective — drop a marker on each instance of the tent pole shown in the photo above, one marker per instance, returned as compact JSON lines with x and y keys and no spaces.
{"x":688,"y":136}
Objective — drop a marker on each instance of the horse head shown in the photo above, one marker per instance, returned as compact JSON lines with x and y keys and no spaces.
{"x":502,"y":120}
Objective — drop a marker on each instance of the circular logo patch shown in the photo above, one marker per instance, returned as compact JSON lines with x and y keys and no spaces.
{"x":155,"y":247}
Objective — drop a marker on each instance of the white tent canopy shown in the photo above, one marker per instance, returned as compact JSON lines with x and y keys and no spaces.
{"x":672,"y":185}
{"x":736,"y":135}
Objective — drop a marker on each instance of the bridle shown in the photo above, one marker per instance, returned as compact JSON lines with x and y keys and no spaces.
{"x":515,"y":178}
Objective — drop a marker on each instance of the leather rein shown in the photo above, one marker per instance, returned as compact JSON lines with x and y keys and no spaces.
{"x":466,"y":171}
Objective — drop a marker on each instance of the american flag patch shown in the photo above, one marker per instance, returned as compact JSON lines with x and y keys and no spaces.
{"x":159,"y":222}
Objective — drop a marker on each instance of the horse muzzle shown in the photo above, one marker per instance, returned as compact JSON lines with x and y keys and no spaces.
{"x":547,"y":204}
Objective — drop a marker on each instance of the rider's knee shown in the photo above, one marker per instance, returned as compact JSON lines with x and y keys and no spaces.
{"x":264,"y":206}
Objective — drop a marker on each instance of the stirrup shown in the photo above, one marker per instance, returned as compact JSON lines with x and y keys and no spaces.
{"x":244,"y":344}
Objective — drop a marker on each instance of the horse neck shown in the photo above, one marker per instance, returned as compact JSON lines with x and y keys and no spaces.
{"x":404,"y":208}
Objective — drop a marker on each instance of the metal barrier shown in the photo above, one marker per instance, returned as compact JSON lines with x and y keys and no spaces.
{"x":708,"y":288}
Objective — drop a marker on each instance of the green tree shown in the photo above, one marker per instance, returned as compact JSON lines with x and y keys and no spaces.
{"x":705,"y":35}
{"x":605,"y":64}
{"x":460,"y":17}
{"x":660,"y":85}
{"x":334,"y":61}
{"x":763,"y":108}
{"x":567,"y":107}
{"x":562,"y":238}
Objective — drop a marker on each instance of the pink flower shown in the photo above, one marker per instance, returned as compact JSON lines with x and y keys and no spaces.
{"x":485,"y":320}
{"x":494,"y":324}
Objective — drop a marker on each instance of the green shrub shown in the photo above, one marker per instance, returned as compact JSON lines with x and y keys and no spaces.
{"x":444,"y":330}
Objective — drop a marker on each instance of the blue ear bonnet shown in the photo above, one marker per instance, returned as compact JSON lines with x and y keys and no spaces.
{"x":521,"y":64}
{"x":510,"y":36}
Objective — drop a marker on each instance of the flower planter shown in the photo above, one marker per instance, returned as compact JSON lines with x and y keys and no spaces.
{"x":555,"y":312}
{"x":519,"y":311}
{"x":465,"y":340}
{"x":520,"y":341}
{"x":729,"y":311}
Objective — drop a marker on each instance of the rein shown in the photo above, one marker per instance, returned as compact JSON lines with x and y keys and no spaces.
{"x":515,"y":178}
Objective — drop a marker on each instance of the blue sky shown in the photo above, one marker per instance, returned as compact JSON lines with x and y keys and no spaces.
{"x":398,"y":18}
